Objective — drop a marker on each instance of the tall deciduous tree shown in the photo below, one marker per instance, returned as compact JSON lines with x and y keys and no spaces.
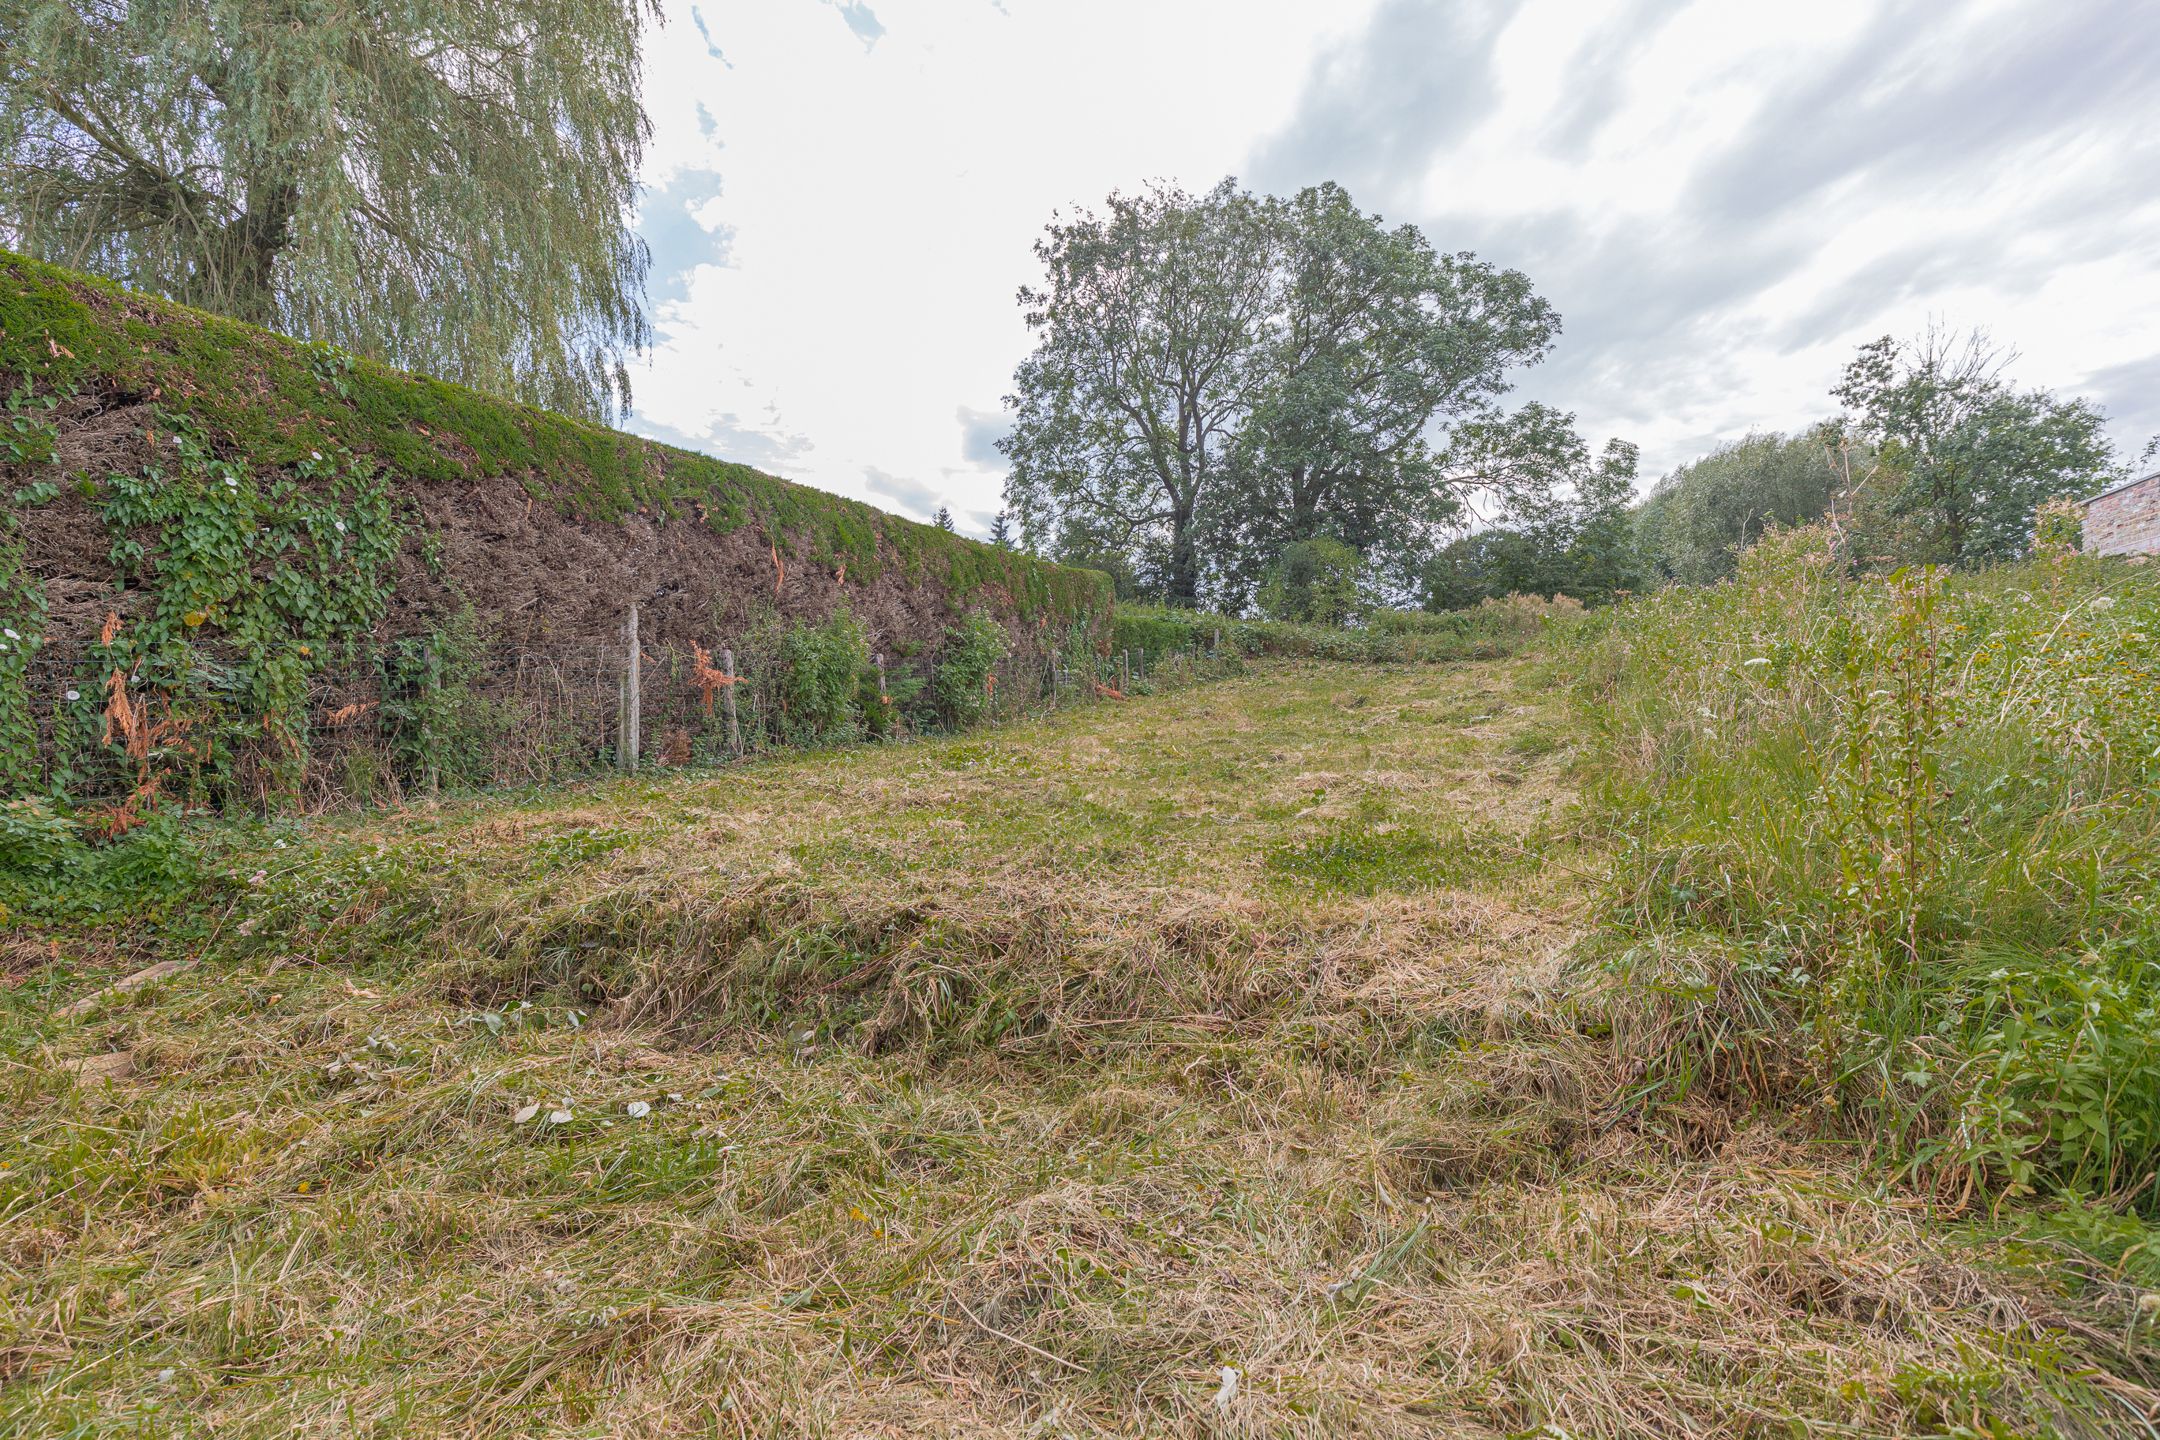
{"x":1384,"y":369}
{"x":1150,"y":324}
{"x":1962,"y":457}
{"x":1221,"y":376}
{"x":445,"y":186}
{"x":1577,"y":541}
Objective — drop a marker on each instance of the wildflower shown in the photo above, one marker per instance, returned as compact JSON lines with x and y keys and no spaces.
{"x":10,"y":634}
{"x":314,"y":454}
{"x":74,"y":694}
{"x":231,"y":484}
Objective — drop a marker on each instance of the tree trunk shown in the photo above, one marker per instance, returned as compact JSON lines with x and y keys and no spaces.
{"x":238,"y":276}
{"x":1183,"y":582}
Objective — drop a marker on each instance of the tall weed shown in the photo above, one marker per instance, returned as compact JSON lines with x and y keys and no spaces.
{"x":1887,"y":852}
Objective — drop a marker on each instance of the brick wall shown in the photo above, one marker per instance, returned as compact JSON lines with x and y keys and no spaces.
{"x":2125,"y":521}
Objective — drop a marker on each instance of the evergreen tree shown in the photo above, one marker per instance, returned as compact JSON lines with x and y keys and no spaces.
{"x":1001,"y":530}
{"x":943,"y":518}
{"x":447,"y":187}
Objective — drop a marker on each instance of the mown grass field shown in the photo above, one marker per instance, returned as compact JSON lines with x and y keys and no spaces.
{"x":1220,"y":1063}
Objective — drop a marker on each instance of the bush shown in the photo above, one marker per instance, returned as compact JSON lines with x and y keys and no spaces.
{"x":967,"y":668}
{"x":1314,"y":582}
{"x":820,"y":682}
{"x":1157,"y":630}
{"x":37,"y":842}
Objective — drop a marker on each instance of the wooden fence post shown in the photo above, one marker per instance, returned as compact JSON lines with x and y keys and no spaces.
{"x":727,"y":698}
{"x":429,"y":739}
{"x":633,"y":716}
{"x":1124,"y":670}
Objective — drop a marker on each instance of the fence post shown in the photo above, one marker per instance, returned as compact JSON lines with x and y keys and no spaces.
{"x":727,"y":698}
{"x":1124,"y":670}
{"x":428,"y":735}
{"x":633,"y":718}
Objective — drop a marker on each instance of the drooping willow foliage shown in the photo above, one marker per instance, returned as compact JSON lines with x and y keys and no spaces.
{"x":446,"y":185}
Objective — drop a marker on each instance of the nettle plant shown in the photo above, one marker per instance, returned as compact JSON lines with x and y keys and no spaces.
{"x":257,"y":584}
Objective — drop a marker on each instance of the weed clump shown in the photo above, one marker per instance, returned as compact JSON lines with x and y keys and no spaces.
{"x":1889,"y":848}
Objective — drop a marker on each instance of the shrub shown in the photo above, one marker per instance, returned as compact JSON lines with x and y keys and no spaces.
{"x":1157,"y":630}
{"x":49,"y":869}
{"x":1315,"y":582}
{"x":437,"y":727}
{"x":820,"y":681}
{"x":967,"y":668}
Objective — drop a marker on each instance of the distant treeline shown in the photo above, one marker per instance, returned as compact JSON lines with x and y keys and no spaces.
{"x":1937,"y":459}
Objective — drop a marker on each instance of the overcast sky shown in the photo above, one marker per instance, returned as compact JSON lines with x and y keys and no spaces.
{"x":1721,"y":197}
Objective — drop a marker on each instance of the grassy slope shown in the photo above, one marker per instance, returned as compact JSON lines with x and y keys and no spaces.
{"x":274,"y":400}
{"x":1009,"y":1084}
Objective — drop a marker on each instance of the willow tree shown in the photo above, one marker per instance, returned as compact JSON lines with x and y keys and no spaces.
{"x":447,"y":186}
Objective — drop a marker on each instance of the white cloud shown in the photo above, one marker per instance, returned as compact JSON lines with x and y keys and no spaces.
{"x":1721,"y":200}
{"x":879,"y":205}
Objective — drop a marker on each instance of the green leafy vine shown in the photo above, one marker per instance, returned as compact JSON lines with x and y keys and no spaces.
{"x":257,"y":585}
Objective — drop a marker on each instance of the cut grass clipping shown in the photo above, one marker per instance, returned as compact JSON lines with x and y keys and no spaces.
{"x":1003,"y":1085}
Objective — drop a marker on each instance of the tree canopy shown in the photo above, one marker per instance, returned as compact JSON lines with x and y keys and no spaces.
{"x":1218,"y":377}
{"x":1962,"y":458}
{"x":447,"y":187}
{"x":1700,"y":517}
{"x":1578,"y":541}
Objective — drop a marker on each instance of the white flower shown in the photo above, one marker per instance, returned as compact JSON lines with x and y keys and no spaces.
{"x":314,"y":454}
{"x":525,"y":1113}
{"x":340,"y":526}
{"x":2100,"y":602}
{"x":74,"y":694}
{"x":10,"y":634}
{"x":558,"y":1117}
{"x":637,"y":1109}
{"x":231,"y":484}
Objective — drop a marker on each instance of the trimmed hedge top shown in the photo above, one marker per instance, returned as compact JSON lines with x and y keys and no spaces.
{"x":275,"y":399}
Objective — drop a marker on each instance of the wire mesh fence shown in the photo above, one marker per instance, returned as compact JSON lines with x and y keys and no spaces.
{"x":419,"y":716}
